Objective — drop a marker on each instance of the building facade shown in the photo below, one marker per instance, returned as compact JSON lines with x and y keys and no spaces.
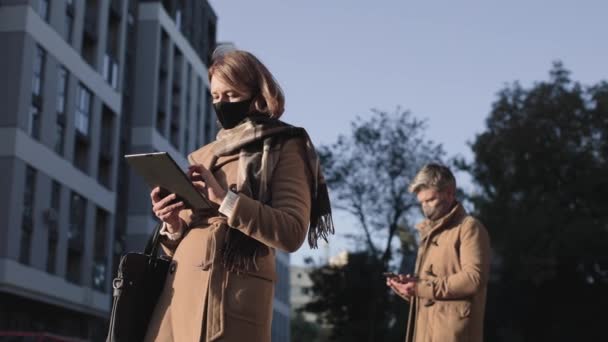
{"x":85,"y":82}
{"x":61,"y":108}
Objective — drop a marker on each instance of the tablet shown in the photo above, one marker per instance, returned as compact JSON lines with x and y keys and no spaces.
{"x":159,"y":169}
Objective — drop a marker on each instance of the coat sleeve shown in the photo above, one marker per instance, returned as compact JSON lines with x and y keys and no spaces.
{"x":284,"y":223}
{"x":169,"y":246}
{"x":475,"y":263}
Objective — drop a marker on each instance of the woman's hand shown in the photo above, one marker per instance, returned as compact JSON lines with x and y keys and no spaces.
{"x":206,"y":183}
{"x":165,"y":211}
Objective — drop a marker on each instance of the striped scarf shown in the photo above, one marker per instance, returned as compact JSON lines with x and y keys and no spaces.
{"x":258,"y":141}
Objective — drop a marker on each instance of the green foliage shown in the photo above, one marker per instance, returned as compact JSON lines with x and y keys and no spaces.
{"x":368,"y":173}
{"x":304,"y":331}
{"x":354,"y":301}
{"x":542,"y":169}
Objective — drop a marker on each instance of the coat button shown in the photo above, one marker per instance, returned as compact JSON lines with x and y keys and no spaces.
{"x":172,"y":268}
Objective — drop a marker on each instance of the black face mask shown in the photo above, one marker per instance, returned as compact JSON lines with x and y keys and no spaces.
{"x":230,"y":114}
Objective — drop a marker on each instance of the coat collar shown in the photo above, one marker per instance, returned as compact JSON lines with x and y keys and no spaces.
{"x":427,"y":227}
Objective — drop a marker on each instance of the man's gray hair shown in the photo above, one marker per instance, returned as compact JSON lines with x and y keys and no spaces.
{"x":433,"y":176}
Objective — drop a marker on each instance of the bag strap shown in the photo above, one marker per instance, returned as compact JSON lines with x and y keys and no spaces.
{"x":154,"y":241}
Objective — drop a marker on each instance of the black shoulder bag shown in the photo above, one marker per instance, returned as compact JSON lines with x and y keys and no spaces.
{"x":137,"y":287}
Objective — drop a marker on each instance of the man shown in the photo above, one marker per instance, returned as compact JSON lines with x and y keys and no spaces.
{"x":447,"y":293}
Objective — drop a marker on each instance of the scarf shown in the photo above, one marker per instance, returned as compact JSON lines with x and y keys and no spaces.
{"x":258,"y":141}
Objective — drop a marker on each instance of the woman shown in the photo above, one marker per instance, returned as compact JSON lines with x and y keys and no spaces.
{"x":263,"y":178}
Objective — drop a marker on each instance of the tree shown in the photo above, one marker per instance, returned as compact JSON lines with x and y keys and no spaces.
{"x":343,"y":296}
{"x":304,"y":331}
{"x":368,"y":173}
{"x":542,"y":170}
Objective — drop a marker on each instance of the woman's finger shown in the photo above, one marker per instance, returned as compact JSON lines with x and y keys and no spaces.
{"x":196,"y":169}
{"x":164,"y":202}
{"x":190,"y":172}
{"x":200,"y":185}
{"x":197,"y":178}
{"x":164,"y":217}
{"x":169,"y":209}
{"x":154,"y":194}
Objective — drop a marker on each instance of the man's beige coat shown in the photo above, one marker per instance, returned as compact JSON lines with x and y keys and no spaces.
{"x":453,"y":265}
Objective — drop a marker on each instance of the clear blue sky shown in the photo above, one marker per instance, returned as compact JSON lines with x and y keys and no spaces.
{"x":443,"y":60}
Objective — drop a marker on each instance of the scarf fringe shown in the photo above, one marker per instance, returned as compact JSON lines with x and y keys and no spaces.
{"x":322,"y":230}
{"x":321,"y":220}
{"x":240,"y":251}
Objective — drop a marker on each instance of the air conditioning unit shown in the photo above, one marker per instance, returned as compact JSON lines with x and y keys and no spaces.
{"x":50,"y":216}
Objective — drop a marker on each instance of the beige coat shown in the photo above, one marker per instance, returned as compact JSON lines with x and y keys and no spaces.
{"x":453,"y":265}
{"x":201,"y":300}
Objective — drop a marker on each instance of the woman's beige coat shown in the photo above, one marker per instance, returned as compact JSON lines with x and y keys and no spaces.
{"x":201,"y":300}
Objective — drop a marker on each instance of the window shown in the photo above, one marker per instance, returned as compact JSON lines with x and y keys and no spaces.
{"x":83,"y":110}
{"x":110,"y":70}
{"x":39,"y":60}
{"x":53,"y":227}
{"x":69,"y":20}
{"x":104,"y":174}
{"x":163,"y":85}
{"x":37,"y":85}
{"x":188,"y":125}
{"x":34,"y":122}
{"x":174,"y":127}
{"x":43,"y":9}
{"x":27,"y":216}
{"x":62,"y":89}
{"x":82,"y":124}
{"x":198,"y":129}
{"x":100,"y":259}
{"x":110,"y":60}
{"x":178,"y":19}
{"x":208,"y":120}
{"x":90,"y":34}
{"x":76,"y":237}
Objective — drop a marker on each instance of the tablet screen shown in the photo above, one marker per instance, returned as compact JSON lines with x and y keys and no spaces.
{"x":159,"y":169}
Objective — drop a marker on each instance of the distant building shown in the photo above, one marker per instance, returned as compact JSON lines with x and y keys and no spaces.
{"x":339,"y":260}
{"x":301,"y":293}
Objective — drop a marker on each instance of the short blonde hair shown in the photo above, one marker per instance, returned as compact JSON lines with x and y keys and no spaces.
{"x":245,"y":73}
{"x":433,"y":176}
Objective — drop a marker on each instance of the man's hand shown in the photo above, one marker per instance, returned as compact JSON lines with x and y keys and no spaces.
{"x":404,"y":285}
